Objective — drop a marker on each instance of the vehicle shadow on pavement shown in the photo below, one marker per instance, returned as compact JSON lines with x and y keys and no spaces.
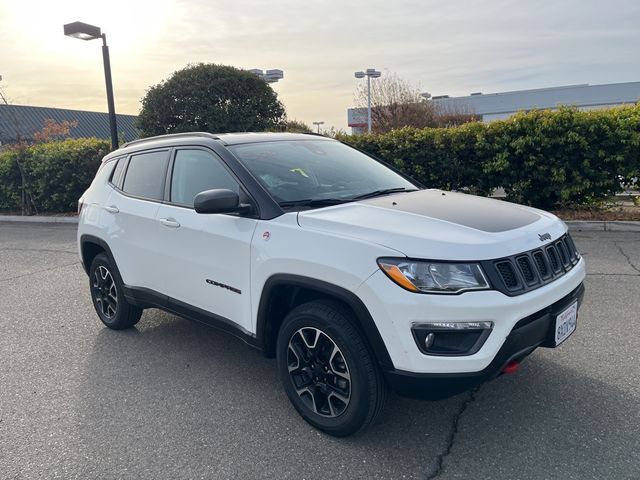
{"x":174,"y":399}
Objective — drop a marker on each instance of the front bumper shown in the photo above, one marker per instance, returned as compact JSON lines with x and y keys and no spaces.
{"x":395,"y":311}
{"x":529,"y":333}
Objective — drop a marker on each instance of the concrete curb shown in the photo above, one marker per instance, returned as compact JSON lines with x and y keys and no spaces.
{"x":600,"y":226}
{"x":37,"y":219}
{"x":574,"y":225}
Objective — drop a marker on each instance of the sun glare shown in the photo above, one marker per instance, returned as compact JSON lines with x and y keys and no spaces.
{"x":135,"y":22}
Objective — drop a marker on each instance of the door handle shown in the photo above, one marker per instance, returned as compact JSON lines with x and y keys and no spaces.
{"x":111,"y":209}
{"x":169,"y":222}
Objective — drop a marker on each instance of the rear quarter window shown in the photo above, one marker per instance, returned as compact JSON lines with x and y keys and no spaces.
{"x":117,"y":172}
{"x":103,"y":173}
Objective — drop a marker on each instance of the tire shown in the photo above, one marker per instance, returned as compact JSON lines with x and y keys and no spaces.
{"x":107,"y":294}
{"x":328,"y":370}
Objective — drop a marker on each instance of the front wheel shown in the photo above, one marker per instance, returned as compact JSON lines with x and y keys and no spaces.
{"x":327,"y":370}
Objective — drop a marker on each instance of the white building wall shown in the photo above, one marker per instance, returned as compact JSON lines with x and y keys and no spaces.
{"x":498,"y":106}
{"x":495,"y":106}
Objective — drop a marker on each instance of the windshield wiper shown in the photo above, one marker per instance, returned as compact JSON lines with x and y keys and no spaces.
{"x":324,"y":202}
{"x":385,"y":191}
{"x":314,"y":202}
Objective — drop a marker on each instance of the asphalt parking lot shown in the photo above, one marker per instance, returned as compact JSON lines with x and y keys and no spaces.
{"x":173,"y":399}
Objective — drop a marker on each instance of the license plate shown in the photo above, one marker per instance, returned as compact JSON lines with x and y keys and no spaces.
{"x":566,"y":323}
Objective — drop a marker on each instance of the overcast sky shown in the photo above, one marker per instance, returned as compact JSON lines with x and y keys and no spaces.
{"x":450,"y":47}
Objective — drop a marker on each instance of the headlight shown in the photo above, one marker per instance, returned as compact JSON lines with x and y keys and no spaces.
{"x":434,"y":277}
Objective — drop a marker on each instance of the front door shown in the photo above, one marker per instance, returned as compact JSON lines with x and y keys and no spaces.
{"x":207,"y":256}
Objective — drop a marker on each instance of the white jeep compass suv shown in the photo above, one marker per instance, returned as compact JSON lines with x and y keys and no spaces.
{"x":355,"y":277}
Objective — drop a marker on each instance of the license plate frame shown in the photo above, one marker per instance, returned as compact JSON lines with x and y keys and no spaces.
{"x":565,"y":323}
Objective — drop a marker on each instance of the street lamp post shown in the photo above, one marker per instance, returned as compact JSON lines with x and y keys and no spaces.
{"x":84,"y":31}
{"x":369,"y":73}
{"x":318,"y":125}
{"x":270,"y":76}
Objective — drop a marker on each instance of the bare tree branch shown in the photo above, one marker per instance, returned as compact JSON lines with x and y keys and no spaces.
{"x":396,"y":103}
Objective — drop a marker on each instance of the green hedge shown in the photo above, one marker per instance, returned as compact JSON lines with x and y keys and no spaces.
{"x":56,"y":172}
{"x":541,"y":158}
{"x":547,"y":159}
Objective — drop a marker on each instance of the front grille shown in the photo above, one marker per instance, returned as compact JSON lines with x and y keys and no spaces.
{"x":508,"y":275}
{"x":562,"y":251}
{"x":554,"y":259}
{"x":524,"y":264}
{"x":530,"y":270}
{"x":541,"y":263}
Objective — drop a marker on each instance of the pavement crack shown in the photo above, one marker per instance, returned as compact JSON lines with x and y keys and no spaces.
{"x":453,"y":431}
{"x":623,"y":253}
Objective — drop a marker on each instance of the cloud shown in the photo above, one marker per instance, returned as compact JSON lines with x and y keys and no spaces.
{"x":447,"y":47}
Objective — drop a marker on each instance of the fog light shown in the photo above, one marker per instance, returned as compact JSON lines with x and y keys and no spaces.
{"x":451,"y":338}
{"x":428,"y":341}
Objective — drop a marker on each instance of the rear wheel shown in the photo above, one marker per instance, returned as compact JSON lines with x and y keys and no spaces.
{"x":327,"y":370}
{"x":108,"y":296}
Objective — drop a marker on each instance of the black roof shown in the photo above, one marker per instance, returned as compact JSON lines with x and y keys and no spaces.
{"x":27,"y":121}
{"x":250,"y":137}
{"x":185,"y":138}
{"x":231,"y":138}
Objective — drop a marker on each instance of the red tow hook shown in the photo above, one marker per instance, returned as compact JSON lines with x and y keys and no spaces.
{"x":512,"y":367}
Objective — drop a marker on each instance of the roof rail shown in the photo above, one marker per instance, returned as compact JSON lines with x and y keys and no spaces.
{"x":170,"y":135}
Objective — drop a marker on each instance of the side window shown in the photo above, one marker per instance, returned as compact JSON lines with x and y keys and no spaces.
{"x":145,"y":175}
{"x":195,"y":171}
{"x":115,"y":177}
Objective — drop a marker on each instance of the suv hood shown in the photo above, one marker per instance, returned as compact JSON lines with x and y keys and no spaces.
{"x":438,"y":225}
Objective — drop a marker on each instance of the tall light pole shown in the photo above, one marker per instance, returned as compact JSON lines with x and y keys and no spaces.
{"x":84,"y":31}
{"x":269,"y":76}
{"x":318,"y":125}
{"x":369,"y":73}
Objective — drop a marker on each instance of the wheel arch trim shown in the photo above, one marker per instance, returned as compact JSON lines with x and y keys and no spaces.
{"x":85,"y":239}
{"x":363,"y":318}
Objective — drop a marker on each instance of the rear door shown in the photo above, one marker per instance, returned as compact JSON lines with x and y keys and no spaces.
{"x":206,"y":261}
{"x":130,"y":218}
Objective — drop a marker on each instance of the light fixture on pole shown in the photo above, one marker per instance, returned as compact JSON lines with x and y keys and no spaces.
{"x":84,"y":31}
{"x":318,"y":125}
{"x":369,"y":73}
{"x":270,"y":76}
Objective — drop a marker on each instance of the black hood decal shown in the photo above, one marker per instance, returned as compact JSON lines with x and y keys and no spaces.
{"x":480,"y":213}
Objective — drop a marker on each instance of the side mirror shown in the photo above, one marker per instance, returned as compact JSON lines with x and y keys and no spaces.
{"x":219,"y":201}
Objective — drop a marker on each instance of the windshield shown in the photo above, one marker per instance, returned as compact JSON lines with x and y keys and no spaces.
{"x":316,"y":171}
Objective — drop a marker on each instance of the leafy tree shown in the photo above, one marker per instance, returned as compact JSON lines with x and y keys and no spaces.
{"x":210,"y":98}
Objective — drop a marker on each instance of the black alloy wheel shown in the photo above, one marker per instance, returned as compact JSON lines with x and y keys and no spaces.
{"x":107,"y":293}
{"x":319,"y":372}
{"x":327,"y":368}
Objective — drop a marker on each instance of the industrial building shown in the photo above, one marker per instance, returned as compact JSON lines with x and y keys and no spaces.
{"x":24,"y":121}
{"x":496,"y":106}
